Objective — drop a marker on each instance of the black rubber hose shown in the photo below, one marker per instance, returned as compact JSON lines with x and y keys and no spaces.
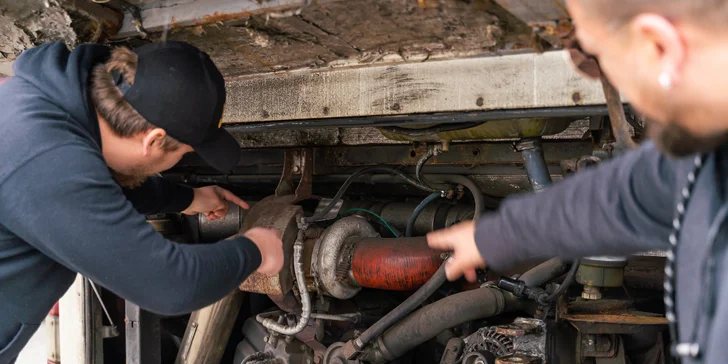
{"x":467,"y":183}
{"x":411,"y":223}
{"x":449,"y":312}
{"x":567,"y":282}
{"x":545,"y":272}
{"x":404,"y":308}
{"x":350,"y":180}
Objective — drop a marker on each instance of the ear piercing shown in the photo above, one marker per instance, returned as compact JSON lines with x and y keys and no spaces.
{"x":665,"y":81}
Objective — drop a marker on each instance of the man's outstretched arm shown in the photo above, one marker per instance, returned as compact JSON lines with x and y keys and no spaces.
{"x":624,"y":206}
{"x":65,"y":204}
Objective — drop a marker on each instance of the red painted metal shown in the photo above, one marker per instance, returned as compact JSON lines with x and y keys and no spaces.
{"x":402,"y":264}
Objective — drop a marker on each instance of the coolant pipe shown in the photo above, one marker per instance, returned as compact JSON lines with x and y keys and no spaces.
{"x":534,"y":162}
{"x":545,"y":272}
{"x":403,"y":264}
{"x":273,"y":325}
{"x":429,"y":321}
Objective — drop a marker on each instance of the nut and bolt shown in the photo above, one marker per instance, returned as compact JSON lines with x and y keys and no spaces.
{"x":266,"y":338}
{"x":317,"y":359}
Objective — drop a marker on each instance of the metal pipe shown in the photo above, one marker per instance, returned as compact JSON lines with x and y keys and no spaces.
{"x":618,"y":120}
{"x":350,"y":317}
{"x":302,"y":289}
{"x":411,"y":223}
{"x":403,"y":264}
{"x":534,"y":162}
{"x":429,"y":321}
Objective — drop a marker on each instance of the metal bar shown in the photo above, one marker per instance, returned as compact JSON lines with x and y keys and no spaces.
{"x":437,"y":118}
{"x":510,"y":82}
{"x":620,"y":127}
{"x":143,"y":336}
{"x":534,"y":162}
{"x":184,"y":13}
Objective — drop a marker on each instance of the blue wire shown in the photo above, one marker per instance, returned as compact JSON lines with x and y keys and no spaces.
{"x":411,"y":223}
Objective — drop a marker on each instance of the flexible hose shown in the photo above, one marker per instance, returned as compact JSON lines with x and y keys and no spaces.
{"x":302,"y":289}
{"x":350,"y":180}
{"x":421,"y":163}
{"x":545,"y":272}
{"x":404,"y":308}
{"x":567,"y":282}
{"x":478,"y":197}
{"x":411,"y":223}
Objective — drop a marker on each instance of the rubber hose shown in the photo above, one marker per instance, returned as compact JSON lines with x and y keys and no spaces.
{"x":411,"y":223}
{"x":567,"y":282}
{"x":404,"y":308}
{"x":545,"y":272}
{"x":351,"y":179}
{"x":467,"y":183}
{"x":449,"y":312}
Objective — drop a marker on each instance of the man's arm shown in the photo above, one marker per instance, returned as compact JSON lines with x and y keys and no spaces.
{"x":65,"y":204}
{"x":158,"y":195}
{"x":623,"y":206}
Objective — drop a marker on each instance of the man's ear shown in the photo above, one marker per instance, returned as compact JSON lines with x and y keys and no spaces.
{"x":152,"y":138}
{"x":667,"y":49}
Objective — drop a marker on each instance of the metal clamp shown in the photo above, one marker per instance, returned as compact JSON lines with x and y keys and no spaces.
{"x":296,"y":162}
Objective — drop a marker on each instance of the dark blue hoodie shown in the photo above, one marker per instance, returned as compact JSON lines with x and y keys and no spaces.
{"x":62,"y":213}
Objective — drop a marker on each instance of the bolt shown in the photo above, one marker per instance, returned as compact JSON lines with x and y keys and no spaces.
{"x":303,"y":347}
{"x":479,"y":101}
{"x":309,"y":361}
{"x":266,"y":338}
{"x":317,"y":359}
{"x":296,"y":169}
{"x":590,"y":342}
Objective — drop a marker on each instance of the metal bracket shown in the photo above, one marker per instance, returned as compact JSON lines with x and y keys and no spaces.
{"x":297,"y":162}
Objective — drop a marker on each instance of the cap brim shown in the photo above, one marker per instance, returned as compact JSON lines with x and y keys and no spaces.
{"x":221,"y":151}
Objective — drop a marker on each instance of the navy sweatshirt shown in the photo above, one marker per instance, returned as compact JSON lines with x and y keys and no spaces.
{"x":62,"y":213}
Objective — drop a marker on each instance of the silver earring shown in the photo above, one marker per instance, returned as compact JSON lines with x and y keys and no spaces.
{"x":665,"y":80}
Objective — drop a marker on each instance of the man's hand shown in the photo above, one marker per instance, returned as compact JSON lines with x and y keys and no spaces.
{"x":270,"y":245}
{"x":212,"y":201}
{"x":460,"y":239}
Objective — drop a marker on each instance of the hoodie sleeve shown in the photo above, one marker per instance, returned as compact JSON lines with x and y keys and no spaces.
{"x":65,"y":203}
{"x":624,"y":206}
{"x":158,"y":195}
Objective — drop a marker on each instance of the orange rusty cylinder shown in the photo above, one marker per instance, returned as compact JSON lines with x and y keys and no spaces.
{"x":402,"y":264}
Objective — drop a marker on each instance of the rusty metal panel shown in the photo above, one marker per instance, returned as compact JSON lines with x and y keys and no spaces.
{"x":160,"y":15}
{"x":518,"y":81}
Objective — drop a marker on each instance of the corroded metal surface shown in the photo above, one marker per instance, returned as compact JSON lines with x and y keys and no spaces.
{"x":279,"y":214}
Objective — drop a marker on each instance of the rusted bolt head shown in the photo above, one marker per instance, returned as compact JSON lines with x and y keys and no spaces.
{"x":576,"y":97}
{"x":317,"y":359}
{"x":296,"y":169}
{"x":479,"y":101}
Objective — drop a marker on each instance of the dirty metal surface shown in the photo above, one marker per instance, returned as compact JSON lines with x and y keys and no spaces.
{"x":548,"y":19}
{"x":173,"y":14}
{"x":459,"y":154}
{"x":336,"y":33}
{"x":276,"y":213}
{"x":296,"y":162}
{"x":517,"y":81}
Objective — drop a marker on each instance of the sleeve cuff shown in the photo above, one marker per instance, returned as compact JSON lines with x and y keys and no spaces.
{"x":182,"y":199}
{"x":249,"y":255}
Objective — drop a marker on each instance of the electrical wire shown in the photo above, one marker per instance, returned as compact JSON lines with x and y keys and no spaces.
{"x":570,"y":277}
{"x":386,"y":224}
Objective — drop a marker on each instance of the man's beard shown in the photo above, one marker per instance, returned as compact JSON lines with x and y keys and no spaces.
{"x":131,"y":179}
{"x":674,"y":140}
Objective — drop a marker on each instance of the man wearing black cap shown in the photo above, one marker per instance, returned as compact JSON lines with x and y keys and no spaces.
{"x":80,"y":135}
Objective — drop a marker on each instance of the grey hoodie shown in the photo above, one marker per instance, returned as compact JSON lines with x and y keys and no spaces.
{"x":624,"y":206}
{"x":62,"y":213}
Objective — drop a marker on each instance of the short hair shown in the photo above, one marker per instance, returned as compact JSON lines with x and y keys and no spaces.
{"x":122,"y":118}
{"x":619,"y":13}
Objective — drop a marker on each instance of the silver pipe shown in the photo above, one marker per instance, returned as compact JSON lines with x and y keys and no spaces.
{"x":302,"y":289}
{"x":351,"y":317}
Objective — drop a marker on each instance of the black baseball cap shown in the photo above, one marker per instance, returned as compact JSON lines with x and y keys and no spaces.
{"x":178,"y":88}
